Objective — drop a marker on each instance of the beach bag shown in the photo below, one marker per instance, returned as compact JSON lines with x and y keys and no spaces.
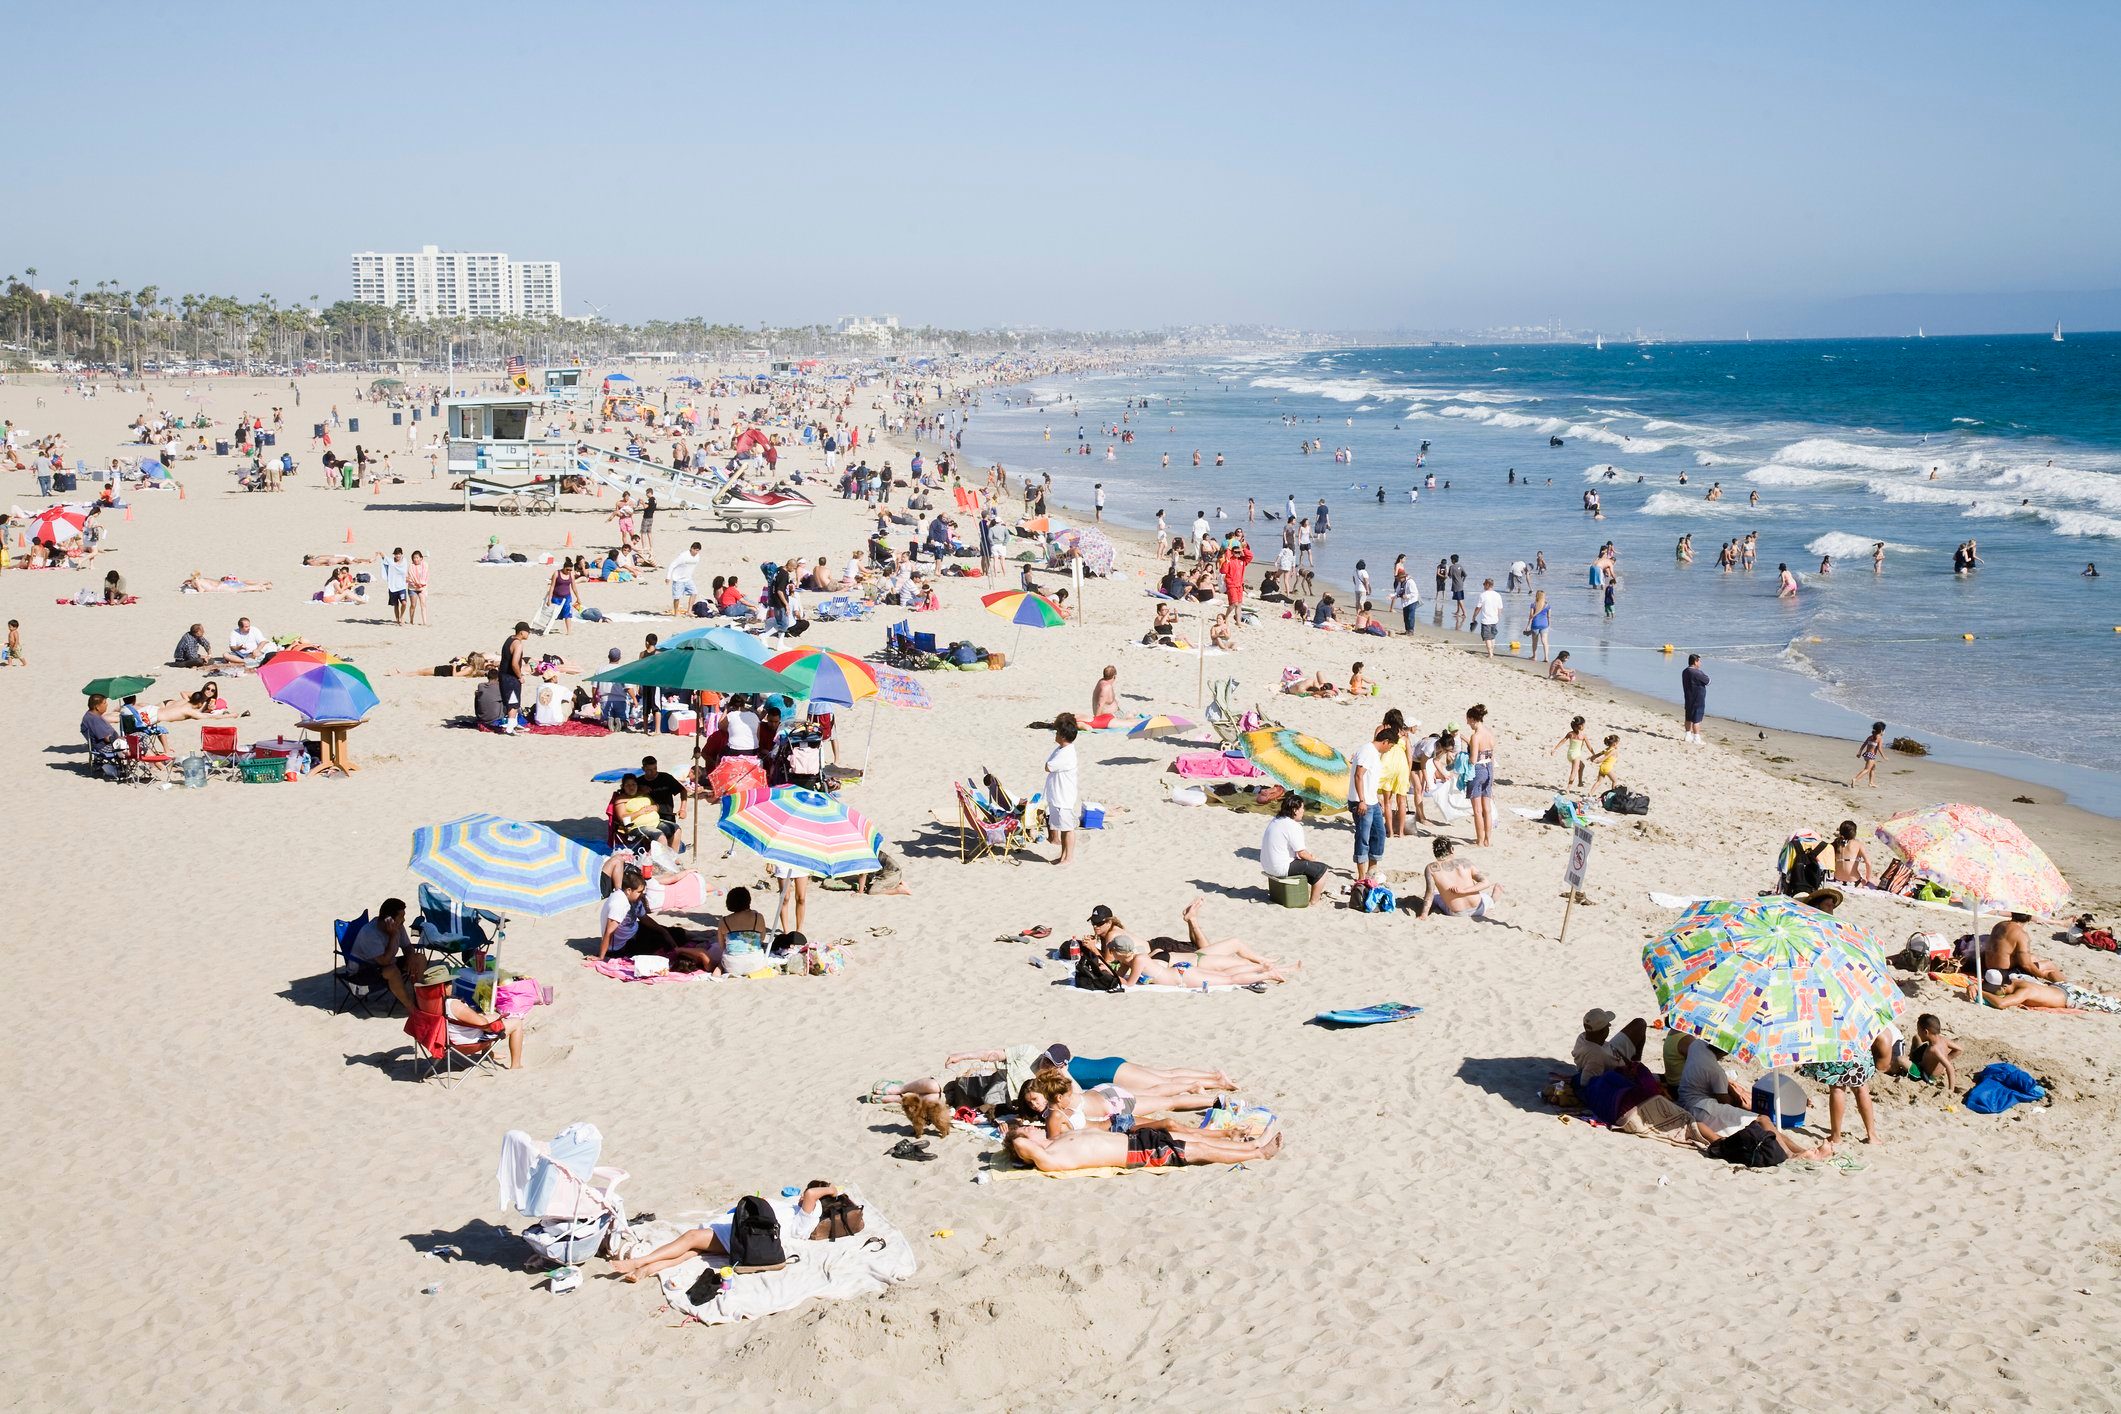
{"x":1804,"y":873}
{"x":755,"y":1236}
{"x":1375,"y":898}
{"x":965,"y":655}
{"x":1094,"y":974}
{"x":1898,"y":878}
{"x":1751,"y":1147}
{"x":1622,"y":801}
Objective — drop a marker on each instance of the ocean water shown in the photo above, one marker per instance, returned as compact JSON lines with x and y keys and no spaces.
{"x":2014,"y":442}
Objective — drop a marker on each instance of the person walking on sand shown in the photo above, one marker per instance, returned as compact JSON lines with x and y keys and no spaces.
{"x":1487,"y":615}
{"x":1694,"y":690}
{"x":1868,"y":753}
{"x":1480,"y":791}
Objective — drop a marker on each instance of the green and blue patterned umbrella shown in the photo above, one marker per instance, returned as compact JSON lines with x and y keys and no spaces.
{"x":488,"y":861}
{"x":1772,"y":982}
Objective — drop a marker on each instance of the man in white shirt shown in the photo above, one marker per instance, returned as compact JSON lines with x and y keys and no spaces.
{"x":394,"y":583}
{"x":1063,"y":789}
{"x":681,"y":570}
{"x":1520,"y":576}
{"x":1487,"y":615}
{"x":1281,"y":850}
{"x":742,"y":726}
{"x":1406,"y":597}
{"x":1365,"y":804}
{"x":1201,"y":532}
{"x":247,"y":644}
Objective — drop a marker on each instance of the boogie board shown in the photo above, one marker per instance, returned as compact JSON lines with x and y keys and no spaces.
{"x":1369,"y":1015}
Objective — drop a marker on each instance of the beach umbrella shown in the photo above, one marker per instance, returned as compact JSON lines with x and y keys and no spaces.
{"x":117,"y":687}
{"x":1300,"y":763}
{"x":1982,"y":857}
{"x":1772,"y":981}
{"x":329,"y":691}
{"x":702,"y":667}
{"x":831,"y":677}
{"x":746,"y":645}
{"x":735,"y":775}
{"x":57,"y":525}
{"x":489,"y":861}
{"x":1025,"y":609}
{"x":1161,"y":725}
{"x":899,"y":689}
{"x":805,"y":830}
{"x":1094,"y":547}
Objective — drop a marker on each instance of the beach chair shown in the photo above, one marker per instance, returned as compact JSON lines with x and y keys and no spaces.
{"x":434,"y":1055}
{"x":145,"y":762}
{"x":573,"y":1202}
{"x":356,"y":986}
{"x":898,"y":645}
{"x":983,"y":830}
{"x":218,"y":745}
{"x":445,"y":927}
{"x":105,"y":759}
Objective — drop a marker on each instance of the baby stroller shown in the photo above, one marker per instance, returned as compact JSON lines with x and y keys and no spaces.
{"x":574,"y":1204}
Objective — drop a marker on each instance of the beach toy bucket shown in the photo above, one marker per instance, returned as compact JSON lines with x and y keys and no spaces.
{"x":1782,"y":1096}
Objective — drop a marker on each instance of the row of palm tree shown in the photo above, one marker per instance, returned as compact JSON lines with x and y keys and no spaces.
{"x":109,"y":324}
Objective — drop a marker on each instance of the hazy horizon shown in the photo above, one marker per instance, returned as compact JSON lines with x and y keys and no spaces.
{"x":1694,"y":172}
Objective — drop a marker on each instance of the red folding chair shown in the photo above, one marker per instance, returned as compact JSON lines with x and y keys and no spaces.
{"x":142,"y":764}
{"x":218,"y":745}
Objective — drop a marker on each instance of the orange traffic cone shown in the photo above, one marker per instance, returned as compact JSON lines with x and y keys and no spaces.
{"x":570,"y":540}
{"x":349,"y":535}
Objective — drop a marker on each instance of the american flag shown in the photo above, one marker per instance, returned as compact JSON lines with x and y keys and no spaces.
{"x":515,"y":363}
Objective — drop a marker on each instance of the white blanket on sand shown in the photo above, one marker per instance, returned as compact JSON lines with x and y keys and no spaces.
{"x":862,"y":1265}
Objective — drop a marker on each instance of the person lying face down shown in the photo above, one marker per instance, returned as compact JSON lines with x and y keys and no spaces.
{"x":823,"y":1213}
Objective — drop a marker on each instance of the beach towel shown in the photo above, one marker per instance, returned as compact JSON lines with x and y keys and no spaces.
{"x":862,"y":1265}
{"x":2001,"y":1085}
{"x":533,"y":729}
{"x":99,"y":603}
{"x":1212,"y":765}
{"x":621,"y":969}
{"x":1000,"y":1175}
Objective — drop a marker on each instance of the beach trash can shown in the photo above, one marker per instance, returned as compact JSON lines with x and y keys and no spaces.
{"x":353,"y":424}
{"x":1782,"y":1096}
{"x":415,"y":414}
{"x":1291,"y":892}
{"x":44,"y":483}
{"x":221,"y":446}
{"x":434,"y":409}
{"x":397,"y":419}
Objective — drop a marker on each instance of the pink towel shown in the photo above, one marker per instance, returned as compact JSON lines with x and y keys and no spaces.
{"x":1212,"y":765}
{"x":680,"y":893}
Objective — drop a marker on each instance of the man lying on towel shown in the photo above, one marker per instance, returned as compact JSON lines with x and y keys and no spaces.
{"x":1143,"y":1148}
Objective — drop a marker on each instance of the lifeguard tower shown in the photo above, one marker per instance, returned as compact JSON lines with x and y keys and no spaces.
{"x":495,"y":446}
{"x":564,"y":385}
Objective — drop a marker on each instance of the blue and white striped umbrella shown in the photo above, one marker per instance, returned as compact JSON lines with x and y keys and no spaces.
{"x":489,"y":861}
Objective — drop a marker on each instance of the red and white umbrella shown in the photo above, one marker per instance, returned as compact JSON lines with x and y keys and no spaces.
{"x":57,"y":525}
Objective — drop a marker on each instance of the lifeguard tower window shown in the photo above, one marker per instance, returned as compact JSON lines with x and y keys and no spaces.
{"x":511,"y":424}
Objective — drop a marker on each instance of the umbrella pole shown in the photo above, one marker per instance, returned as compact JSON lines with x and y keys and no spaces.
{"x":1974,"y":907}
{"x":870,"y":740}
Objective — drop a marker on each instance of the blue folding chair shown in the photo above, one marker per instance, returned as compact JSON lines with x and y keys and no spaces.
{"x":446,"y":927}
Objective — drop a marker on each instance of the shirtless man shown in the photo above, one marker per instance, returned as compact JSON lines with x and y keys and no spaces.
{"x":1104,"y":697}
{"x":1144,"y":1148}
{"x":2010,"y":949}
{"x":1227,"y":963}
{"x":1455,"y":887}
{"x":1851,"y":864}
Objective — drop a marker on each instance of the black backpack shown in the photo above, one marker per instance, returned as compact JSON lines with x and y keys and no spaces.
{"x":1093,"y":973}
{"x":1806,"y":874}
{"x":1622,"y":801}
{"x":755,"y":1236}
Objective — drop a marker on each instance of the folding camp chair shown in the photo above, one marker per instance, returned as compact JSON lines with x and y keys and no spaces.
{"x":573,"y":1200}
{"x":105,"y":759}
{"x":982,"y":830}
{"x":218,"y":745}
{"x":145,"y":763}
{"x":356,"y":986}
{"x":445,"y":927}
{"x":434,"y":1055}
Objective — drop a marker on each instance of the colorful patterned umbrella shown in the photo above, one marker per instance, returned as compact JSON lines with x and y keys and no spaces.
{"x":1023,"y":608}
{"x":735,"y":775}
{"x":1772,"y":981}
{"x":735,"y":640}
{"x":805,"y":830}
{"x":57,"y":525}
{"x":1980,"y":856}
{"x":486,"y":861}
{"x":319,"y":686}
{"x":901,"y":690}
{"x":832,"y":677}
{"x":1302,"y":763}
{"x":1093,"y":546}
{"x":1161,"y":725}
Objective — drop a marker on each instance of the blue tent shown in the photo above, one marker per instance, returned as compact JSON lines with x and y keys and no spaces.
{"x":616,"y":378}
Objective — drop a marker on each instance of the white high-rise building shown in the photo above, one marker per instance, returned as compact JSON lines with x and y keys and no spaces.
{"x":457,"y":284}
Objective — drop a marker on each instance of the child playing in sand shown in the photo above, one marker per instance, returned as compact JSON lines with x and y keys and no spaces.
{"x":1579,"y":749}
{"x":1607,"y":759}
{"x":1934,"y":1051}
{"x":1868,"y":753}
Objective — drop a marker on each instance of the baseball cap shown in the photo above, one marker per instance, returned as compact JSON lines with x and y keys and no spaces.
{"x":1597,"y":1017}
{"x":1100,"y":915}
{"x":1057,"y":1056}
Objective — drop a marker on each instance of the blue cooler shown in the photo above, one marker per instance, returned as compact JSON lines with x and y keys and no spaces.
{"x":1782,"y":1096}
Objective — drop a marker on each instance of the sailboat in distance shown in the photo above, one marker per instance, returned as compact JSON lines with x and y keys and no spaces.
{"x":1598,"y":342}
{"x":2058,"y":331}
{"x":1918,"y":332}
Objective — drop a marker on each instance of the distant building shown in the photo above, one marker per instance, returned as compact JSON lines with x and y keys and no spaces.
{"x":457,"y":284}
{"x":880,"y":327}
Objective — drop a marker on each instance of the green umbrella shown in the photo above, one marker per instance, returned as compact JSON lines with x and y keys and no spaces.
{"x":705,"y":668}
{"x":117,"y":687}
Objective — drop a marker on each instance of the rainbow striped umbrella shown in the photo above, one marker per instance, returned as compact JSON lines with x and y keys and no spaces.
{"x":1023,"y":608}
{"x":830,"y":676}
{"x":805,"y":830}
{"x":322,"y":687}
{"x":1772,"y":981}
{"x":1161,"y":725}
{"x":1301,"y":763}
{"x":487,"y":861}
{"x":1982,"y":857}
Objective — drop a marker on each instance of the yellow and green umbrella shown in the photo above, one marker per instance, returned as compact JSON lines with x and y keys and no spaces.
{"x":1304,"y":764}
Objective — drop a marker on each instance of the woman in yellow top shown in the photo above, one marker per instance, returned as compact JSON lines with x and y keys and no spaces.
{"x":634,"y":810}
{"x":1395,"y":774}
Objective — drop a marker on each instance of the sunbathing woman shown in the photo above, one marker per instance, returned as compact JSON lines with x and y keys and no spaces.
{"x":1154,"y":1087}
{"x":324,"y":560}
{"x":197,"y":583}
{"x":343,"y":588}
{"x":1144,"y":1148}
{"x":206,"y":702}
{"x":1296,"y":685}
{"x":1225,"y":963}
{"x":805,"y":1219}
{"x":1051,"y":1097}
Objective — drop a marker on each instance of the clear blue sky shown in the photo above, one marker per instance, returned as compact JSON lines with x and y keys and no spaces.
{"x":1320,"y":165}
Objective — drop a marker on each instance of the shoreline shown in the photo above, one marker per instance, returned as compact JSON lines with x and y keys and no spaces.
{"x":1808,"y":757}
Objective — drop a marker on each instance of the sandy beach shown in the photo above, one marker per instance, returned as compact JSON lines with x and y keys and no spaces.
{"x":232,"y":1193}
